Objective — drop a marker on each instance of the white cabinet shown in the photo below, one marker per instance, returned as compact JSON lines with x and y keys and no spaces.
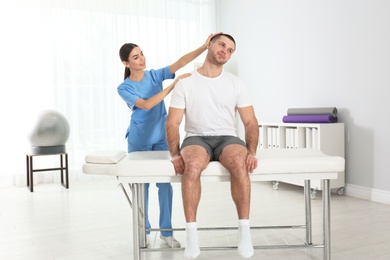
{"x":329,"y":138}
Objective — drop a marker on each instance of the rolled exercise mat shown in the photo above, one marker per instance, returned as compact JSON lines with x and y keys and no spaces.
{"x":309,"y":119}
{"x":332,"y":111}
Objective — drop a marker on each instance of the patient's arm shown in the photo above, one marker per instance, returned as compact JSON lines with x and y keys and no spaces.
{"x":175,"y":116}
{"x":251,"y":126}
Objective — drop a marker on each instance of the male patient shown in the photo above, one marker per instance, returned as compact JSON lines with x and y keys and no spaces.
{"x":209,"y":99}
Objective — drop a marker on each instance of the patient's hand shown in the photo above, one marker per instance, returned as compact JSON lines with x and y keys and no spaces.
{"x":178,"y":164}
{"x":251,"y":162}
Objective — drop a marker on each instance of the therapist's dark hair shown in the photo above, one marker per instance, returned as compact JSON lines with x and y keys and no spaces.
{"x":124,"y":53}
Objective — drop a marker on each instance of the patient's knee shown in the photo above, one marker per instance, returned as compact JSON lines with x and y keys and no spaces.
{"x":193,"y":169}
{"x":193,"y":166}
{"x":236,"y":164}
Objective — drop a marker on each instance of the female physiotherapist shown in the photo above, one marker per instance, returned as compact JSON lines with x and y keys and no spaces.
{"x":143,"y":92}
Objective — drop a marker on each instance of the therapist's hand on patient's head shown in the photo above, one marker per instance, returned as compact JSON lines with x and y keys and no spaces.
{"x":209,"y":38}
{"x":251,"y":163}
{"x":178,"y":164}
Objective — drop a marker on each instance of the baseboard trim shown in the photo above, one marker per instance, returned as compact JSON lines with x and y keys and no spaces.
{"x":361,"y":192}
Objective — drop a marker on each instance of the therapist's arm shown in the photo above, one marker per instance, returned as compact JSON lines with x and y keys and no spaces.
{"x":149,"y":103}
{"x":187,"y":58}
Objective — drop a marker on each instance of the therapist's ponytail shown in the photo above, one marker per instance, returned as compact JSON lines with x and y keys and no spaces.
{"x":127,"y":73}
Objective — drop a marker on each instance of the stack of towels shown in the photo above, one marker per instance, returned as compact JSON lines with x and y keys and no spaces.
{"x":311,"y":115}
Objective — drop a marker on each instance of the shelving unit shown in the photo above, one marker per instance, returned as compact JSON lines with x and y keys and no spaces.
{"x":329,"y":138}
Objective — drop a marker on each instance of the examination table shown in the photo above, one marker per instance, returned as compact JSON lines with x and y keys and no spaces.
{"x":135,"y":169}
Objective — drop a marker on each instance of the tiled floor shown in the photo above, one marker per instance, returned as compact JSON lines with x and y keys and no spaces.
{"x":92,"y":220}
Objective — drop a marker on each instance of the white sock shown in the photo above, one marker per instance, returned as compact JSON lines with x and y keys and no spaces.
{"x":245,"y":246}
{"x":192,"y":249}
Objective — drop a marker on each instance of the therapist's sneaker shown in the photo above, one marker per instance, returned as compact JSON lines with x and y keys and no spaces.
{"x":171,"y":241}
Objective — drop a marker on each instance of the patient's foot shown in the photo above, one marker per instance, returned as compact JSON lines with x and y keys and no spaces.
{"x":171,"y":241}
{"x":245,"y":246}
{"x":192,"y":249}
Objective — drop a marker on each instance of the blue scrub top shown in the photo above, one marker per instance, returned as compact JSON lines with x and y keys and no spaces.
{"x":146,"y":127}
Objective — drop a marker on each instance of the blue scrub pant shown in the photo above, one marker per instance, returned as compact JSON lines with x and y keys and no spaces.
{"x":165,"y":192}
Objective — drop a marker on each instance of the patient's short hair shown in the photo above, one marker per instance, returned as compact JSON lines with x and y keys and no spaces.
{"x":217,"y":36}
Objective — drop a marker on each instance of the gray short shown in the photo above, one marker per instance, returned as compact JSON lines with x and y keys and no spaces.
{"x":212,"y":144}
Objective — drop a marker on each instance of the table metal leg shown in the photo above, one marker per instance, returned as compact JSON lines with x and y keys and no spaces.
{"x":136,"y":231}
{"x":139,"y":224}
{"x":307,"y":189}
{"x":326,"y":218}
{"x":141,"y":216}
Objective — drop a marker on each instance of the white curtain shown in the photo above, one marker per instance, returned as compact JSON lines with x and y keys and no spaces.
{"x":64,"y":55}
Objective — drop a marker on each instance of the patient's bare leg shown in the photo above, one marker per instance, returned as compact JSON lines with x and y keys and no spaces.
{"x":195,"y":160}
{"x":233,"y":158}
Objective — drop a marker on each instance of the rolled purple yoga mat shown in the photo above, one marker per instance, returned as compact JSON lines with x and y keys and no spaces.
{"x":309,"y":119}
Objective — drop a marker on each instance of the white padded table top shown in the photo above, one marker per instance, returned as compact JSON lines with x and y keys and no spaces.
{"x":274,"y":164}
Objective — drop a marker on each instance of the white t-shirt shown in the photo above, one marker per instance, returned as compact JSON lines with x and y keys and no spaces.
{"x":210,"y":103}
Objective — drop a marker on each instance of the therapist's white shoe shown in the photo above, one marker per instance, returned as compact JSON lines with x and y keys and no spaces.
{"x":147,"y":239}
{"x":171,"y":241}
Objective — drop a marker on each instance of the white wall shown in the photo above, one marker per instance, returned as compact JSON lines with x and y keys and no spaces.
{"x":321,"y":54}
